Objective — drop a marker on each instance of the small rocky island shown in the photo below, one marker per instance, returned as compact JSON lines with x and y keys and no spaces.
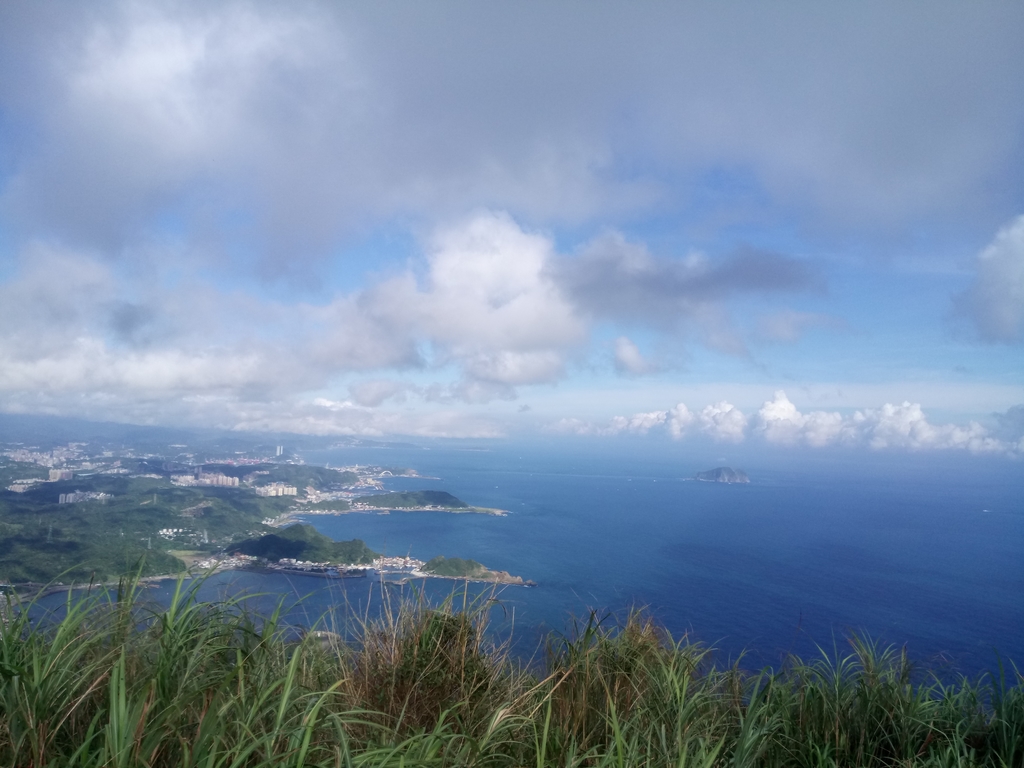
{"x":723,"y":475}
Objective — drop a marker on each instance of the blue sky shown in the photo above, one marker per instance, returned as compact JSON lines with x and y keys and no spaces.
{"x":756,"y":224}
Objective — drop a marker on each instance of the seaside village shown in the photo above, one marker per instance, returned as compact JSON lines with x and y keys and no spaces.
{"x":381,"y":567}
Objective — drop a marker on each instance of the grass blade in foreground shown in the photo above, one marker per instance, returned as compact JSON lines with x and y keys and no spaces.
{"x":116,"y":683}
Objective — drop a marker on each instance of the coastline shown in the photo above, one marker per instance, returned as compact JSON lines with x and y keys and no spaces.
{"x":486,"y":576}
{"x":25,"y":592}
{"x":198,"y":564}
{"x":300,"y":515}
{"x":370,"y":510}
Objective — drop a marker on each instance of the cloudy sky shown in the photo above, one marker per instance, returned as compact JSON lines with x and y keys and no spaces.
{"x":801,"y":224}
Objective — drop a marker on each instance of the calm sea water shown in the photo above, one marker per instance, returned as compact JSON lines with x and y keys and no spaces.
{"x":925,"y":551}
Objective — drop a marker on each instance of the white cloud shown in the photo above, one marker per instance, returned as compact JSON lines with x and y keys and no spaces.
{"x":679,"y":420}
{"x":80,"y":336}
{"x":514,"y":367}
{"x":905,"y":426}
{"x":642,"y":423}
{"x":503,"y":307}
{"x":638,"y":424}
{"x":483,"y":317}
{"x":723,"y":421}
{"x":676,"y":421}
{"x":629,"y":359}
{"x":487,"y":287}
{"x":995,"y":301}
{"x":779,"y":421}
{"x":891,"y":426}
{"x":373,"y":392}
{"x":487,"y":304}
{"x":571,"y":426}
{"x":485,"y":307}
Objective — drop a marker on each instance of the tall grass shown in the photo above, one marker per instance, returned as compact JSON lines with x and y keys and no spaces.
{"x":113,"y":683}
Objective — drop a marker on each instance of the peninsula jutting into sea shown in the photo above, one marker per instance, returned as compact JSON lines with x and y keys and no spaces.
{"x":92,"y":511}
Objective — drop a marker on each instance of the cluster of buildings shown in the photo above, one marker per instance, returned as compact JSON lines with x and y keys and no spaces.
{"x":170,"y":533}
{"x":184,"y":533}
{"x":218,"y":479}
{"x":276,"y":489}
{"x":59,"y":455}
{"x":314,"y":496}
{"x":400,"y":564}
{"x":20,"y":486}
{"x":290,"y":564}
{"x":233,"y":461}
{"x":381,"y":565}
{"x":301,"y":565}
{"x":226,"y":563}
{"x":77,"y":496}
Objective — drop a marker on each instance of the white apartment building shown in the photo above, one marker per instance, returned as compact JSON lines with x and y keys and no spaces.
{"x":277,"y":489}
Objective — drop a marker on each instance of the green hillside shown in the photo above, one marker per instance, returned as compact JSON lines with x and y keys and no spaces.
{"x":304,"y":542}
{"x":42,"y":540}
{"x":454,"y":567}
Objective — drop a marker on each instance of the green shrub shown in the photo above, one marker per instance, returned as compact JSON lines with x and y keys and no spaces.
{"x":116,"y":682}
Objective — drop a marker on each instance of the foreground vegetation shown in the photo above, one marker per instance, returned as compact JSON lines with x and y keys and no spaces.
{"x":115,"y":684}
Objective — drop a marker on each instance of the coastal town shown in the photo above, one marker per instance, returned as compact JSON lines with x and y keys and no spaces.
{"x":379,"y":566}
{"x":183,"y":510}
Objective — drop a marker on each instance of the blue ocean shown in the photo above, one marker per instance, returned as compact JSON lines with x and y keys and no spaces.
{"x":921,"y":551}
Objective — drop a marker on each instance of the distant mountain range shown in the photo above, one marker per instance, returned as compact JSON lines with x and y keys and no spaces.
{"x":723,"y":475}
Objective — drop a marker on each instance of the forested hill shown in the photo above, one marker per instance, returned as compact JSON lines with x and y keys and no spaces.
{"x":455,"y":567}
{"x":304,"y":542}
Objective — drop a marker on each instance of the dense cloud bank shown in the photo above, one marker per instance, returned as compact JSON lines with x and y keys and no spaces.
{"x":778,"y":422}
{"x":316,"y":118}
{"x":184,"y":187}
{"x":496,"y":305}
{"x":491,"y":309}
